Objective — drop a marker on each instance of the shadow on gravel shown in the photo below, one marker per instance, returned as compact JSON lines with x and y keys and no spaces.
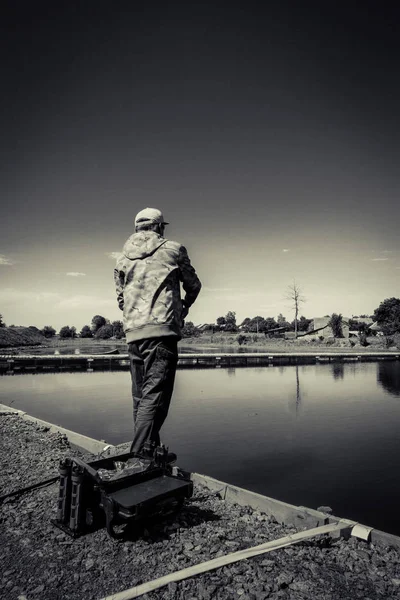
{"x":193,"y":515}
{"x":205,"y":497}
{"x":161,"y":527}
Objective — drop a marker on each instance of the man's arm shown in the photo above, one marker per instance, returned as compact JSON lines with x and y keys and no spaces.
{"x":191,"y":283}
{"x":119,"y":279}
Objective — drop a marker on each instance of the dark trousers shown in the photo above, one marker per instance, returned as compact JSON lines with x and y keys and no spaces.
{"x":153,"y":367}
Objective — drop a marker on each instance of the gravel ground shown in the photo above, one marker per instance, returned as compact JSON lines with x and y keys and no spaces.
{"x":38,"y":561}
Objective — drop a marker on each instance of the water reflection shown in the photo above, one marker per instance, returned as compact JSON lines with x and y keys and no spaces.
{"x":338,"y":370}
{"x":388,"y":375}
{"x":298,"y":396}
{"x":294,"y":403}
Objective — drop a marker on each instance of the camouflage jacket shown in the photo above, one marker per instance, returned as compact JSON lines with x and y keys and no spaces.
{"x":147,"y":279}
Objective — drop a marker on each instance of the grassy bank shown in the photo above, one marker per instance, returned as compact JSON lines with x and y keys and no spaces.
{"x":229,"y":343}
{"x":205,"y":343}
{"x":13,"y":337}
{"x":67,"y":346}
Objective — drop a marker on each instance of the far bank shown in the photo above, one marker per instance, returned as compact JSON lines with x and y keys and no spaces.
{"x":225,"y":343}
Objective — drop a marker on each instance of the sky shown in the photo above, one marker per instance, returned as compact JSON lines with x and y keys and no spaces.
{"x":267,"y":133}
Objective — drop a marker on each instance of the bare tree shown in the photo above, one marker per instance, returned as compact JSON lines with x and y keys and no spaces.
{"x":294,"y":294}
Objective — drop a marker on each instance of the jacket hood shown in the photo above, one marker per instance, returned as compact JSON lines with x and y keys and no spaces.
{"x":142,"y":244}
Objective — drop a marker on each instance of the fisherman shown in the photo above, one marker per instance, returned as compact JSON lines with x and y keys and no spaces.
{"x":147,"y":278}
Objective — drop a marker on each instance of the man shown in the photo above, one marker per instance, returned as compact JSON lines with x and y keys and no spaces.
{"x":147,"y":278}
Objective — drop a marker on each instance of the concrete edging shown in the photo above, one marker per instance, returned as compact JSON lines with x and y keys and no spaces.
{"x":283,"y":512}
{"x":289,"y":514}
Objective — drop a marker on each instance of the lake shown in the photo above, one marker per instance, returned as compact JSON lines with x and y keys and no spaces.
{"x":311,"y":435}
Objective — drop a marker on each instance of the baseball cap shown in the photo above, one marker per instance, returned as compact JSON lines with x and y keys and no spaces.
{"x":150,"y":215}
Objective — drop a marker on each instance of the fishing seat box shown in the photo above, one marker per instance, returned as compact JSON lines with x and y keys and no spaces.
{"x":87,"y":501}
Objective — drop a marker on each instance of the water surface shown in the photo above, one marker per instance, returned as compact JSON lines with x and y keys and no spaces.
{"x":311,"y":435}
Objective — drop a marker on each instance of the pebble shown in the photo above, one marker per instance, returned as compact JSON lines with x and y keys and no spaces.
{"x":89,"y":564}
{"x":231,"y":544}
{"x":267,"y":563}
{"x":39,"y":589}
{"x":188,"y":545}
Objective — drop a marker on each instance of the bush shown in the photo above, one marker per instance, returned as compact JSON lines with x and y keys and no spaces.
{"x":389,"y":342}
{"x":98,"y":321}
{"x":363,"y":339}
{"x":86,"y":332}
{"x":104,"y":333}
{"x":67,"y":332}
{"x":118,"y":330}
{"x":242,"y":339}
{"x":396,"y":339}
{"x":336,"y":323}
{"x":387,"y":315}
{"x":190,"y":330}
{"x":48,"y":331}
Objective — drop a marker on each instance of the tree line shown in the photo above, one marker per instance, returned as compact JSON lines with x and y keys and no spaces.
{"x":387,"y":316}
{"x":259,"y":324}
{"x":100,"y":328}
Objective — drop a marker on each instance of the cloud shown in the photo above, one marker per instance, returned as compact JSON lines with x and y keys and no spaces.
{"x":83,"y":301}
{"x":76,"y":274}
{"x":378,"y":259}
{"x":13,"y":295}
{"x":5,"y":261}
{"x":113,"y":255}
{"x":286,"y":250}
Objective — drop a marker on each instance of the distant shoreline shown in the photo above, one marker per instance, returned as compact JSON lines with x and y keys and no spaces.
{"x":218,"y":344}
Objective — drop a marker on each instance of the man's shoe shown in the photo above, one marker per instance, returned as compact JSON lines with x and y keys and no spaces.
{"x":171,"y":458}
{"x":148,"y":449}
{"x":161,"y":453}
{"x":163,"y":456}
